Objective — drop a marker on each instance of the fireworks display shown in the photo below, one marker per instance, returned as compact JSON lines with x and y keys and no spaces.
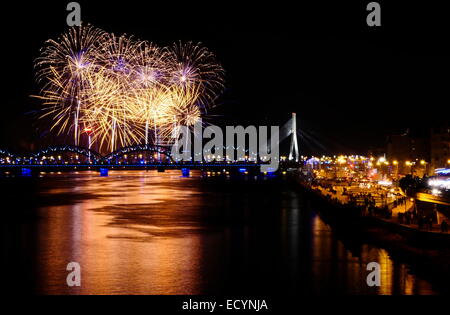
{"x":122,"y":90}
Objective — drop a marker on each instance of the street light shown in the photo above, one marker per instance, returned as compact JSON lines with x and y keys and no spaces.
{"x":409,"y":164}
{"x":395,"y":163}
{"x":424,"y":164}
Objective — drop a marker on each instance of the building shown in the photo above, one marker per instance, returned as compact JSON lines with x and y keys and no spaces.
{"x":413,"y":145}
{"x":410,"y":151}
{"x":418,"y":152}
{"x":440,"y":147}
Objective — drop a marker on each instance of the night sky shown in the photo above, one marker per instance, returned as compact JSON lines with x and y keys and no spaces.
{"x":350,"y":85}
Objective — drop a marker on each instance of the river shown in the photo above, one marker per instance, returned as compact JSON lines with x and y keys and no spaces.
{"x":144,"y":232}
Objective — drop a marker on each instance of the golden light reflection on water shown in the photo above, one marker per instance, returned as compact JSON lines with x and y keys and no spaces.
{"x":395,"y":278}
{"x":131,"y":258}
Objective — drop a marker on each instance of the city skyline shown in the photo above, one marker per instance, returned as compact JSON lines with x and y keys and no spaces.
{"x":350,"y":89}
{"x":226,"y":156}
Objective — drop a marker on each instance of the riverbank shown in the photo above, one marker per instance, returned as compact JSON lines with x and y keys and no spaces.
{"x":428,"y":253}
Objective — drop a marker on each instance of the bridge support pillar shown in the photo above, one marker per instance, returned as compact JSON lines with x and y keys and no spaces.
{"x":185,"y":172}
{"x":103,"y":172}
{"x":26,"y":171}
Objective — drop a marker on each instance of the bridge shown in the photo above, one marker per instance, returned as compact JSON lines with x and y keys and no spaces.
{"x":140,"y":156}
{"x":57,"y":155}
{"x":61,"y":149}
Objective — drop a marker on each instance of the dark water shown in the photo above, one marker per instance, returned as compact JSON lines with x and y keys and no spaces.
{"x":143,"y":232}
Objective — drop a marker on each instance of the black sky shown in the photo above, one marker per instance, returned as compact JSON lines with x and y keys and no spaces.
{"x":349,"y":84}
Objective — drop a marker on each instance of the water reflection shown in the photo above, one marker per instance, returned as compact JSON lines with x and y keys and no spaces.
{"x":350,"y":268}
{"x":123,"y":235}
{"x":143,"y":232}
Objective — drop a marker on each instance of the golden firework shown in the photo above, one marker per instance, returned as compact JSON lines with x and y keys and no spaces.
{"x":122,"y":89}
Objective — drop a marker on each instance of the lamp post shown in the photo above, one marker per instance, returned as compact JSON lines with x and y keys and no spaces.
{"x":408,"y":163}
{"x":396,"y":168}
{"x":424,"y":165}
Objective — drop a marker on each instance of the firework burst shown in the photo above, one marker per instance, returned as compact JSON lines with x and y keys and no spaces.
{"x":65,"y":66}
{"x":124,"y":90}
{"x":194,"y":65}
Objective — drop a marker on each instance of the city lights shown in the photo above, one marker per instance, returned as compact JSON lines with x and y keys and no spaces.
{"x":442,"y":183}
